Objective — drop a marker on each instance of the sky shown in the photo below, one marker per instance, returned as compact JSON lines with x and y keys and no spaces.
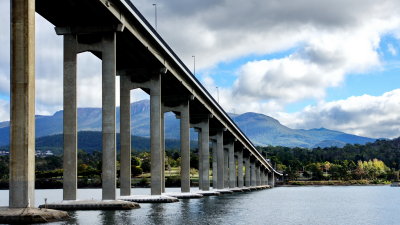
{"x":308,"y":63}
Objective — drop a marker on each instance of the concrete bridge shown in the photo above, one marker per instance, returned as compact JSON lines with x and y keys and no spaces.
{"x":116,"y":32}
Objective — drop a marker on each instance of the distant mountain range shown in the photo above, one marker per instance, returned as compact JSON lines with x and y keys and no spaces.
{"x":261,"y":129}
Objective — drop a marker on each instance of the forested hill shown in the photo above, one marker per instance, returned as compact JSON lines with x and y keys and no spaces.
{"x":90,"y":141}
{"x":386,"y":150}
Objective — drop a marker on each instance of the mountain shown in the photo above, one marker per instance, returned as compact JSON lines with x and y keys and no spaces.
{"x":91,"y":141}
{"x":264,"y":130}
{"x":261,"y":129}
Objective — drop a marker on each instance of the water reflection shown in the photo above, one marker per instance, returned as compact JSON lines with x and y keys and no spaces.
{"x":157,"y":212}
{"x":283,"y":206}
{"x":73,"y":219}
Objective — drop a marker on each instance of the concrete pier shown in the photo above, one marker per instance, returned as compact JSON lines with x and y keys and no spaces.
{"x":240,"y":169}
{"x":155,"y":137}
{"x":232,"y":166}
{"x":205,"y":155}
{"x":226,"y":168}
{"x":91,"y":205}
{"x":220,"y":160}
{"x":253,"y":174}
{"x":163,"y":157}
{"x":150,"y":198}
{"x":30,"y":215}
{"x":185,"y":147}
{"x":200,"y":155}
{"x":70,"y":118}
{"x":247,"y":172}
{"x":108,"y":116}
{"x":125,"y":136}
{"x":22,"y":115}
{"x":214,"y":165}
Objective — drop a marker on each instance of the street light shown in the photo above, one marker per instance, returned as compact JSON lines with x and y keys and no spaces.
{"x":217,"y":94}
{"x":194,"y":65}
{"x":155,"y":15}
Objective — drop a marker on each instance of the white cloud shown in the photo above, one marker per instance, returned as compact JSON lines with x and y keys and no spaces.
{"x":366,"y":115}
{"x":391,"y":49}
{"x":4,"y":110}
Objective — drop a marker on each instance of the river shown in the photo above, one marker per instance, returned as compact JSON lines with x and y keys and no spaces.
{"x":325,"y":205}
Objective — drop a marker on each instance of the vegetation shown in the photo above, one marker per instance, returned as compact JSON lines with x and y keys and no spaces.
{"x":376,"y":162}
{"x":49,"y":170}
{"x":373,"y":163}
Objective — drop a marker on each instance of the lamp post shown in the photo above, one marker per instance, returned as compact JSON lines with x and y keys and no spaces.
{"x":217,"y":94}
{"x":194,"y":65}
{"x":155,"y":15}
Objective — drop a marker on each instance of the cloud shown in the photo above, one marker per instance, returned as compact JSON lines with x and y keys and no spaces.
{"x":366,"y":115}
{"x":4,"y":110}
{"x":220,"y":31}
{"x":391,"y":49}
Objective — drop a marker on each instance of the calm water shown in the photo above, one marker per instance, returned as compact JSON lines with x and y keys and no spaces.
{"x":281,"y":205}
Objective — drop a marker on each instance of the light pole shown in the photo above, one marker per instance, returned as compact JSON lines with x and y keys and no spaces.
{"x":194,"y":65}
{"x":217,"y":94}
{"x":155,"y":15}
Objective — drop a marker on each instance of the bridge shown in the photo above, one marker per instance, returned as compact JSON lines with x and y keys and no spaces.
{"x":129,"y":47}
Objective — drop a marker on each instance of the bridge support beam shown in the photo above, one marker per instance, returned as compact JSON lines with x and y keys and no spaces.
{"x":205,"y":156}
{"x":220,"y":160}
{"x":226,"y":168}
{"x":214,"y":164}
{"x":200,"y":155}
{"x":22,"y":125}
{"x":155,"y":136}
{"x":125,"y":135}
{"x":162,"y":136}
{"x":240,"y":169}
{"x":70,"y":118}
{"x":247,"y":180}
{"x":184,"y":115}
{"x":204,"y":153}
{"x":258,"y":175}
{"x":185,"y":148}
{"x":232,"y":166}
{"x":108,"y":116}
{"x":156,"y":148}
{"x":253,"y":174}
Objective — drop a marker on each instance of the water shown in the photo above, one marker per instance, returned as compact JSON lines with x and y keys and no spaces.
{"x":351,"y":205}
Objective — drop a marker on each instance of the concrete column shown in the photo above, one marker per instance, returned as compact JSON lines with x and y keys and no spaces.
{"x":199,"y":155}
{"x":70,"y":119}
{"x":125,"y":135}
{"x":266,"y":178}
{"x":258,"y":176}
{"x":155,"y":136}
{"x":108,"y":116}
{"x":232,"y":166}
{"x":220,"y":160}
{"x":214,"y":164}
{"x":248,"y":173}
{"x":262,"y":177}
{"x":205,"y":155}
{"x":240,"y":169}
{"x":185,"y":148}
{"x":253,"y":174}
{"x":273,"y":180}
{"x":163,"y":157}
{"x":226,"y":168}
{"x":22,"y":115}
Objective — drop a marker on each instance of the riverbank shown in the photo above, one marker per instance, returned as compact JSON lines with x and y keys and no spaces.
{"x":336,"y":183}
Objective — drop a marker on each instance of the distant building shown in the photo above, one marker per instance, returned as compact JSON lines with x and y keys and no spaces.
{"x":4,"y":152}
{"x":40,"y":153}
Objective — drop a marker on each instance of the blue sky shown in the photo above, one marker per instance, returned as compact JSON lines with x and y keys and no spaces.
{"x":307,"y":63}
